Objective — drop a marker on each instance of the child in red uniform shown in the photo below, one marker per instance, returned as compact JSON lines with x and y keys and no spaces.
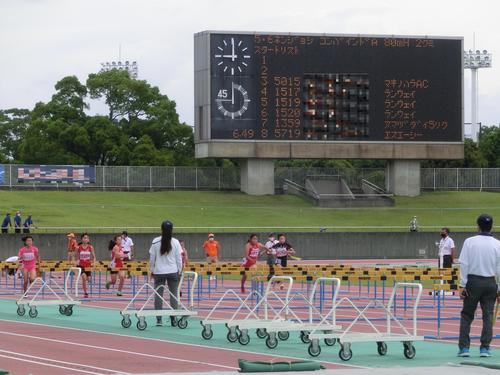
{"x":253,"y":249}
{"x":86,"y":258}
{"x":184,"y":254}
{"x":115,"y":246}
{"x":28,"y":257}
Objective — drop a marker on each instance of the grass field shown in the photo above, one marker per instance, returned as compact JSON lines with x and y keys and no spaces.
{"x":213,"y":210}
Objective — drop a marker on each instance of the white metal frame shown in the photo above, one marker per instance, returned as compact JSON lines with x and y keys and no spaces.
{"x":141,"y":313}
{"x":78,"y":272}
{"x":252,"y":318}
{"x":347,"y":337}
{"x":66,"y":302}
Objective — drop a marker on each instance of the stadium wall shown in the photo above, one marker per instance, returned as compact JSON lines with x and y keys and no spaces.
{"x":390,"y":245}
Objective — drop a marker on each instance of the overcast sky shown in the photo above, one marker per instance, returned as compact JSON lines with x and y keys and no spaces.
{"x":42,"y":41}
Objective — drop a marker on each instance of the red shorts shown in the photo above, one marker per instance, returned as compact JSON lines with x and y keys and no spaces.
{"x":29,"y":267}
{"x":249,"y":263}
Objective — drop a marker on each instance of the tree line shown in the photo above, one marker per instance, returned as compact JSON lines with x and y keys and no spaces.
{"x":142,"y":127}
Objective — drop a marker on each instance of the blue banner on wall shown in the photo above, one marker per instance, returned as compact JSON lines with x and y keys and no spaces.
{"x":60,"y":174}
{"x":2,"y":174}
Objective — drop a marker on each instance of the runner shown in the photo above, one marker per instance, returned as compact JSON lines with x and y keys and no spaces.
{"x":283,"y":250}
{"x":28,"y":256}
{"x":184,"y":254}
{"x":86,"y":259}
{"x":252,"y":251}
{"x":116,"y":265}
{"x":72,"y":248}
{"x":271,"y":254}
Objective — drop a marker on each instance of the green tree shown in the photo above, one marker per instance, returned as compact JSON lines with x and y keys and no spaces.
{"x":13,"y":125}
{"x":489,"y":143}
{"x":139,"y":110}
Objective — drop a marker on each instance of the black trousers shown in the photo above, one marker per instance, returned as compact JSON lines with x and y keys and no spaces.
{"x":482,"y":290}
{"x":447,"y":261}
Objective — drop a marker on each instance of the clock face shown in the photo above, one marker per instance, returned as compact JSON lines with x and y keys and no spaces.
{"x":232,"y":56}
{"x":232,"y":101}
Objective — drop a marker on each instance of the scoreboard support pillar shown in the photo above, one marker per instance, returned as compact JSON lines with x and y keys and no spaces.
{"x":257,"y":176}
{"x":403,"y":177}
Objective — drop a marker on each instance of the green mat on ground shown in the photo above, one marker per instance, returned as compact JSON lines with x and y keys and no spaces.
{"x":257,"y":366}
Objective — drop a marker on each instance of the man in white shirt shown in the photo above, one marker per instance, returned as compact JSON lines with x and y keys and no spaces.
{"x":127,"y":245}
{"x":479,"y":264}
{"x":446,"y":249}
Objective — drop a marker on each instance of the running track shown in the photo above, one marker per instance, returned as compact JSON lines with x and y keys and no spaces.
{"x":40,"y":349}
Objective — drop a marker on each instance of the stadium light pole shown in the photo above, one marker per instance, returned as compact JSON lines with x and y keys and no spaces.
{"x":131,"y":67}
{"x":475,"y":60}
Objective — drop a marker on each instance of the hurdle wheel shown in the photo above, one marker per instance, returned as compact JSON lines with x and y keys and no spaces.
{"x":381,"y":348}
{"x":141,"y":324}
{"x":314,"y":350}
{"x":33,"y":313}
{"x":126,"y":322}
{"x":283,"y":335}
{"x":232,"y":337}
{"x":261,"y":333}
{"x":207,"y":333}
{"x":271,"y":343}
{"x":409,"y":351}
{"x":62,"y":309}
{"x":69,"y":310}
{"x":345,"y":354}
{"x":304,"y":337}
{"x":244,"y":338}
{"x":21,"y":310}
{"x":182,"y":323}
{"x":330,"y":341}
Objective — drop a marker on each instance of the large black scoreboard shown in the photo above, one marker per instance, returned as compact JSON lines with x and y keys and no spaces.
{"x":301,"y":87}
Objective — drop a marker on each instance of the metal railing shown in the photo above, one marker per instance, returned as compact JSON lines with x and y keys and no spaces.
{"x":228,"y":178}
{"x":460,"y":179}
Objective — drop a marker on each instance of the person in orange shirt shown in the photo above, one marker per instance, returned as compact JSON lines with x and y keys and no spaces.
{"x":72,"y":248}
{"x":212,"y":249}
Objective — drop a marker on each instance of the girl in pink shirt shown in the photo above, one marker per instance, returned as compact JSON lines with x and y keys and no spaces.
{"x":28,"y":257}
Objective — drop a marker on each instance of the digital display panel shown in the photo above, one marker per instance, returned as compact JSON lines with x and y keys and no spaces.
{"x":335,"y":88}
{"x":60,"y":174}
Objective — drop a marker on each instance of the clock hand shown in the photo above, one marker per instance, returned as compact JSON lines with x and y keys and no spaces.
{"x":232,"y":92}
{"x":232,"y":47}
{"x":230,"y":56}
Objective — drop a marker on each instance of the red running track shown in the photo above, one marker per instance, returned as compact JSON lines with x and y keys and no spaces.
{"x":39,"y":349}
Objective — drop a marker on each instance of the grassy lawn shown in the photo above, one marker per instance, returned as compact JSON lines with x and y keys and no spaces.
{"x":206,"y":210}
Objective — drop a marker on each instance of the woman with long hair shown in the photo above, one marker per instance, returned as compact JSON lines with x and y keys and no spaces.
{"x":86,"y":259}
{"x":28,"y":257}
{"x":253,"y":249}
{"x":116,"y":265}
{"x":165,"y":263}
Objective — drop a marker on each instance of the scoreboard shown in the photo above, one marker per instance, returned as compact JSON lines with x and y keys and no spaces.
{"x":329,"y":88}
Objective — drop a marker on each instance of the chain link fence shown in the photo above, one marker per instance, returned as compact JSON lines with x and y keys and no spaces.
{"x":214,"y":178}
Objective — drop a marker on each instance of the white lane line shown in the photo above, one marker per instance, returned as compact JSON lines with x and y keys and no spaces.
{"x":48,"y":364}
{"x":61,"y":362}
{"x":114,"y":350}
{"x":175,"y":342}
